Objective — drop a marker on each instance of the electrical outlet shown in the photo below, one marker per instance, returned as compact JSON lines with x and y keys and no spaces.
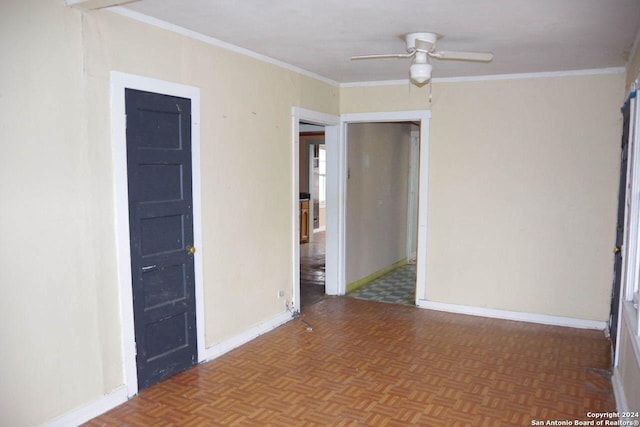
{"x":280,"y":293}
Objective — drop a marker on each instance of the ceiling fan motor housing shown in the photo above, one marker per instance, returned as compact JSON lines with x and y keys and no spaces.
{"x":411,"y":38}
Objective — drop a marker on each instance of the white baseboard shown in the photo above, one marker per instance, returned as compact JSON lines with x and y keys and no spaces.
{"x":514,"y":315}
{"x":226,"y":346}
{"x":91,"y":410}
{"x":107,"y":402}
{"x":618,"y":392}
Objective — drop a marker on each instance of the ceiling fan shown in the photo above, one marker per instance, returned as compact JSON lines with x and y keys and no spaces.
{"x":421,"y":47}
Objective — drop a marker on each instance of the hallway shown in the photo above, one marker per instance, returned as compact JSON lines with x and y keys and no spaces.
{"x":312,"y":270}
{"x":367,"y":363}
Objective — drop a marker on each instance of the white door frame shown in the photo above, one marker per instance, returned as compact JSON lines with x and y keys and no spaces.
{"x":412,"y":199}
{"x":423,"y":117}
{"x":334,"y":201}
{"x":120,"y":82}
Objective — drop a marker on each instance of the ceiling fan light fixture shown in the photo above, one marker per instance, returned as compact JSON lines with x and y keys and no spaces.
{"x":420,"y":73}
{"x":421,"y":47}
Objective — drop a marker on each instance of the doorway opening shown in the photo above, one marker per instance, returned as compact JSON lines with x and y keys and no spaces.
{"x":312,"y":178}
{"x":420,"y":143}
{"x":322,"y":246}
{"x":336,"y":142}
{"x":382,"y":211}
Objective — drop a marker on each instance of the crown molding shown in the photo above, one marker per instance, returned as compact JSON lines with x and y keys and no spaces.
{"x":376,"y":83}
{"x":515,"y":76}
{"x":216,"y":42}
{"x":86,"y":5}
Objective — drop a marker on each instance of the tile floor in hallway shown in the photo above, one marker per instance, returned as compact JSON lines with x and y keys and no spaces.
{"x":396,"y":287}
{"x":348,"y":362}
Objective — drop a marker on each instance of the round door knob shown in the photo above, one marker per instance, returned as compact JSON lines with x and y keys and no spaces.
{"x":616,"y":250}
{"x":191,"y":250}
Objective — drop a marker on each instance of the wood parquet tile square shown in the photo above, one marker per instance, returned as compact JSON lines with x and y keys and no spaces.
{"x":369,"y":363}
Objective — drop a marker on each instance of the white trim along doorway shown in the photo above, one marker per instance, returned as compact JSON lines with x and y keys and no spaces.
{"x":335,"y":202}
{"x":423,"y":117}
{"x":336,"y":140}
{"x":120,"y":82}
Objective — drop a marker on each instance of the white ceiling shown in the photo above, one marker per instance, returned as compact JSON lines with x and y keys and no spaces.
{"x":320,"y":36}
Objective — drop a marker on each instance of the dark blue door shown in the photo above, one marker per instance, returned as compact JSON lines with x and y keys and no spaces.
{"x":161,"y":233}
{"x":622,"y":203}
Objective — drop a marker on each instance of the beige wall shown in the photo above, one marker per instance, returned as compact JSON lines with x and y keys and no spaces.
{"x":50,"y":340}
{"x":60,"y":334}
{"x":522,"y":194}
{"x":369,"y":99}
{"x":522,"y":190}
{"x":377,"y":188}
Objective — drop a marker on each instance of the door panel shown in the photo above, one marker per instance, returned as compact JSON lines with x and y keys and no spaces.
{"x":161,"y":233}
{"x":160,"y":286}
{"x":161,"y":182}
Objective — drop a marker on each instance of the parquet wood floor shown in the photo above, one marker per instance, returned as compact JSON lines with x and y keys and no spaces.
{"x":350,"y":362}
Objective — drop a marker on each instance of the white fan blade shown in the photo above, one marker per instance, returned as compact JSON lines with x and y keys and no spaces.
{"x":462,"y":56}
{"x":384,"y":56}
